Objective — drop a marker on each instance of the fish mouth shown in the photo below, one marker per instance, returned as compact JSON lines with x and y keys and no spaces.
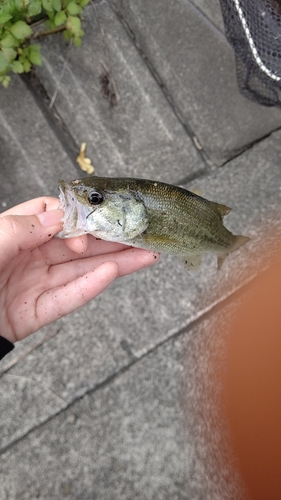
{"x":70,"y":205}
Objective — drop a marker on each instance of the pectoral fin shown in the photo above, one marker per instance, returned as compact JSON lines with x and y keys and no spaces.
{"x":192,"y":262}
{"x":159,"y":243}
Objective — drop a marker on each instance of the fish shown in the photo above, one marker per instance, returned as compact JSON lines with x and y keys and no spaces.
{"x":147,"y":214}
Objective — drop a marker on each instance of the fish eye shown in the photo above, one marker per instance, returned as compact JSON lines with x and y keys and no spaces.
{"x":95,"y":197}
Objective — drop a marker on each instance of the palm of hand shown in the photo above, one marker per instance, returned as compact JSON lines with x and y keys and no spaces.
{"x":41,"y":285}
{"x":40,"y":282}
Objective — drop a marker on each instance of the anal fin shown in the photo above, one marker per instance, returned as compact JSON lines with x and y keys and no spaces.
{"x":221,"y":259}
{"x":192,"y":262}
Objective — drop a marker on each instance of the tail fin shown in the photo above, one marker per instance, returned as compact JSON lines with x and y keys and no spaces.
{"x":239,"y":242}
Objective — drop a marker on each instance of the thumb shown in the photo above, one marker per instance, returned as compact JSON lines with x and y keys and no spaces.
{"x":22,"y":232}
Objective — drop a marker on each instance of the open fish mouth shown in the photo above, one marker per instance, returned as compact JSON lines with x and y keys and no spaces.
{"x":72,"y":212}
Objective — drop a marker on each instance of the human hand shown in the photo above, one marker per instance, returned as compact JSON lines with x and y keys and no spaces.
{"x":43,"y":278}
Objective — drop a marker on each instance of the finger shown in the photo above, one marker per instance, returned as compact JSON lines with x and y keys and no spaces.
{"x":97,"y":246}
{"x":22,"y":232}
{"x":63,"y":300}
{"x":35,"y":206}
{"x":77,"y":245}
{"x":56,"y":251}
{"x":134,"y":259}
{"x":128,"y":261}
{"x":94,"y":245}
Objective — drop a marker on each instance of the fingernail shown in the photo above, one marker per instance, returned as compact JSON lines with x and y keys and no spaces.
{"x":50,"y":218}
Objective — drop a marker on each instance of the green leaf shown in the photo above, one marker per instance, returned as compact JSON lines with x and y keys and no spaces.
{"x":17,"y":67}
{"x":56,"y":5}
{"x":60,"y":18}
{"x":22,"y":59}
{"x":50,"y":24}
{"x":18,"y":4}
{"x":25,"y":52}
{"x":77,"y":41}
{"x":83,"y":3}
{"x":26,"y":66}
{"x":47,"y":5}
{"x":73,"y":24}
{"x":9,"y":41}
{"x":35,"y":47}
{"x":35,"y":58}
{"x":4,"y":18}
{"x":73,"y":9}
{"x":9,"y":54}
{"x":4,"y":6}
{"x":34,"y":8}
{"x":21,"y":30}
{"x":3,"y":63}
{"x":67,"y":35}
{"x":5,"y":80}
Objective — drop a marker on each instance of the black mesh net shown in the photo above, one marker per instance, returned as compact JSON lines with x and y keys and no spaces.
{"x":253,"y":27}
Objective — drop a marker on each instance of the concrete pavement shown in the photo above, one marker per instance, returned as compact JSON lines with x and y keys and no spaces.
{"x":111,"y":402}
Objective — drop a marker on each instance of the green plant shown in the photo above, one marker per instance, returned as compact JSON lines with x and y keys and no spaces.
{"x":24,"y":21}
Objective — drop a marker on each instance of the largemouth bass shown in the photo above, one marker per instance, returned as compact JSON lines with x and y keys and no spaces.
{"x":147,"y":214}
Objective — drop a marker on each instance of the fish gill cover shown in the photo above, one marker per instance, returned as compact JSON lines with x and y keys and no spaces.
{"x":253,"y":27}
